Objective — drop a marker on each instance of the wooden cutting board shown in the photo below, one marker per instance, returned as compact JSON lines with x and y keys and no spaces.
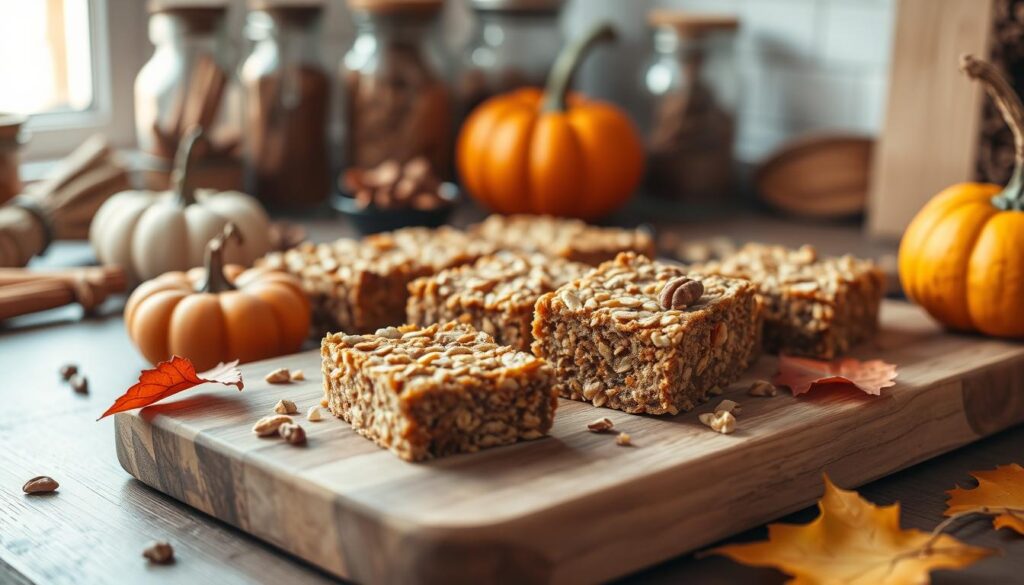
{"x":573,"y":507}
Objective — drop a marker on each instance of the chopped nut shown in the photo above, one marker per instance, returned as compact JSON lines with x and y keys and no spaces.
{"x":68,"y":370}
{"x":730,"y":406}
{"x":624,"y":439}
{"x":601,"y":425}
{"x":159,"y":552}
{"x":298,"y":376}
{"x":313,"y":414}
{"x":278,"y":376}
{"x":79,"y":384}
{"x":40,"y":485}
{"x":762,"y":388}
{"x":324,"y":402}
{"x":721,"y":422}
{"x":268,"y":425}
{"x":285,"y":406}
{"x":292,"y":433}
{"x":681,"y":292}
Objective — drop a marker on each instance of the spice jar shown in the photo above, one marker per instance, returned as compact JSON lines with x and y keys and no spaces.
{"x":187,"y":83}
{"x":692,"y":88}
{"x":515,"y":45}
{"x":10,"y":141}
{"x":287,"y":94}
{"x":398,"y":106}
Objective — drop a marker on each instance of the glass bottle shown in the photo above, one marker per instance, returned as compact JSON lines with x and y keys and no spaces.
{"x":515,"y":44}
{"x":397,"y":104}
{"x":692,"y":89}
{"x":287,"y":101}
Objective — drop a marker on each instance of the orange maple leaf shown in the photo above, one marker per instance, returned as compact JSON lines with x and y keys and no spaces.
{"x":852,"y":542}
{"x":170,"y":377}
{"x":802,"y":374}
{"x":1000,"y":492}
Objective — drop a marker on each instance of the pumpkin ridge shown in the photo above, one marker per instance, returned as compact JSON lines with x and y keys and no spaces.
{"x":507,"y":178}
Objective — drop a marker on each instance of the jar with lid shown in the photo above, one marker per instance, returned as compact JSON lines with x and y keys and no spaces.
{"x":397,"y":103}
{"x":515,"y":45}
{"x":188,"y":82}
{"x":692,"y":88}
{"x":287,"y":101}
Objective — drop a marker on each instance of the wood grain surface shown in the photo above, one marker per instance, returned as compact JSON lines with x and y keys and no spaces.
{"x":574,"y":507}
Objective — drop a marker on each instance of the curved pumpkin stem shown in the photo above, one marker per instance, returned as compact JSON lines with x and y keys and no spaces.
{"x":216,"y":281}
{"x":569,"y":60}
{"x":182,"y":167}
{"x":1010,"y":106}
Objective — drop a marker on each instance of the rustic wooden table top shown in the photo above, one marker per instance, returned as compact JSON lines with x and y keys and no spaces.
{"x":94,"y":529}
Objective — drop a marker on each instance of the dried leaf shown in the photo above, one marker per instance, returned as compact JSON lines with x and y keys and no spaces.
{"x":853,"y":541}
{"x":169,"y":378}
{"x":1000,"y":492}
{"x":802,"y":374}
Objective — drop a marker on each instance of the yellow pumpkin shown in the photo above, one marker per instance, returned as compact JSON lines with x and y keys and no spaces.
{"x":218,"y":313}
{"x":962,"y":256}
{"x":543,"y":152}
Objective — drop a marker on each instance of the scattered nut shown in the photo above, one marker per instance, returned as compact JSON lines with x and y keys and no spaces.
{"x":278,"y":376}
{"x":79,"y":384}
{"x":324,"y":403}
{"x":285,"y":406}
{"x":68,"y":370}
{"x":159,"y":552}
{"x":40,"y":485}
{"x":624,"y":440}
{"x":298,"y":376}
{"x":269,"y":425}
{"x":715,"y":391}
{"x":601,"y":425}
{"x":292,"y":433}
{"x":762,"y":388}
{"x":730,"y":406}
{"x":680,"y":292}
{"x":722,"y":422}
{"x":313,"y":414}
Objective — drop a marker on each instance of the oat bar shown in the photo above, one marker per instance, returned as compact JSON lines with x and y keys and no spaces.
{"x":817,"y":307}
{"x":612,"y":342}
{"x":439,"y":390}
{"x":496,"y":294}
{"x":563,"y":238}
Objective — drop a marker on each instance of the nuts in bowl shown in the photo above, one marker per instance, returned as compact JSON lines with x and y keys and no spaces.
{"x":393,"y":195}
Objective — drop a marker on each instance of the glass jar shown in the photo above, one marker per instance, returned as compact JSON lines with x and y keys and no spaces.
{"x":397,"y":104}
{"x":515,"y":45}
{"x":692,"y":89}
{"x":287,"y":97}
{"x":11,"y":139}
{"x":187,"y":82}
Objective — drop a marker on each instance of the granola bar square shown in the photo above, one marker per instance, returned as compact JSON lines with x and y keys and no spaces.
{"x":612,"y":342}
{"x":434,"y":391}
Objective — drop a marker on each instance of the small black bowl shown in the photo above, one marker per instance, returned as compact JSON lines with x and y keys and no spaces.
{"x":371,"y":220}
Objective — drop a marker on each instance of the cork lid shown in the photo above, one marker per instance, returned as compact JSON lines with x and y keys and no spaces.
{"x":693,"y":23}
{"x":167,"y":5}
{"x":518,"y":5}
{"x":10,"y":126}
{"x":285,"y":4}
{"x":396,"y":5}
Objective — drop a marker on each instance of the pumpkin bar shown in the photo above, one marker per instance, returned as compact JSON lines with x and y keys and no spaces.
{"x":360,"y":286}
{"x":563,"y":238}
{"x":496,"y":294}
{"x":613,"y":343}
{"x":816,"y":307}
{"x":435,"y":391}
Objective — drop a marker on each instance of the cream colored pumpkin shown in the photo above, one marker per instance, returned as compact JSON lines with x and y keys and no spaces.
{"x":149,"y":233}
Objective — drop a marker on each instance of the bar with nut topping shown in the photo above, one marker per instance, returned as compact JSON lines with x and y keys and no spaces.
{"x":646,"y":337}
{"x":816,"y":307}
{"x":435,"y":391}
{"x":496,"y":294}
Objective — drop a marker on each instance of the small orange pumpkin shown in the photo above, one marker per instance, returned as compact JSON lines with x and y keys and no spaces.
{"x":218,"y":313}
{"x":962,"y":256}
{"x":533,"y":151}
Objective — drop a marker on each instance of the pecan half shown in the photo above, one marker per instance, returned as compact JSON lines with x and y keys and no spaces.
{"x":680,"y":293}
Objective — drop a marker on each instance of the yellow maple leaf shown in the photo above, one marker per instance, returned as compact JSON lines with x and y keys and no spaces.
{"x":1000,"y":492}
{"x":852,"y":541}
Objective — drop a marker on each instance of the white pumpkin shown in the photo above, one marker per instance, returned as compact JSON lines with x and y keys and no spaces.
{"x":149,"y":233}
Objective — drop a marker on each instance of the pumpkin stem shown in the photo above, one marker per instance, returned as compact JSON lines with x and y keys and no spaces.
{"x":216,"y":281}
{"x":1010,"y":106}
{"x":569,"y":60}
{"x":182,"y":167}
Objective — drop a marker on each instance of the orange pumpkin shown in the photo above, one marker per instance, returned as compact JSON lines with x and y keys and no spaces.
{"x":533,"y":151}
{"x":962,"y":257}
{"x":218,"y":313}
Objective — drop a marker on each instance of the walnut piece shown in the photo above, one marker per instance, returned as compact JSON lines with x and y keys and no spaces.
{"x":762,"y":388}
{"x":298,"y":376}
{"x":601,"y":425}
{"x":159,"y":552}
{"x":292,"y":433}
{"x":40,"y":485}
{"x":681,"y":292}
{"x":269,"y":425}
{"x":278,"y":376}
{"x":722,"y":422}
{"x":730,"y":406}
{"x":79,"y":384}
{"x":285,"y":406}
{"x":68,"y":370}
{"x":624,"y":440}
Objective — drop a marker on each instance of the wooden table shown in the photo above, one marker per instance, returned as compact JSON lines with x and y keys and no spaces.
{"x":94,"y":529}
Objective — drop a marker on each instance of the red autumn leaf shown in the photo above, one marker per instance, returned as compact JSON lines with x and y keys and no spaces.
{"x":170,"y":377}
{"x":802,"y":374}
